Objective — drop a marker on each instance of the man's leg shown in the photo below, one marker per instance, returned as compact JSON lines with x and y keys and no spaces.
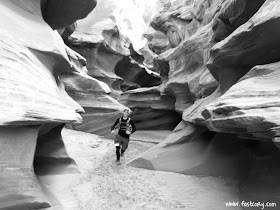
{"x":122,"y":153}
{"x":118,"y":152}
{"x":124,"y":145}
{"x":118,"y":147}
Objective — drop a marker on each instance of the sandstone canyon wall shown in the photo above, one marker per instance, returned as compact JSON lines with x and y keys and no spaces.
{"x":34,"y":104}
{"x":223,"y":59}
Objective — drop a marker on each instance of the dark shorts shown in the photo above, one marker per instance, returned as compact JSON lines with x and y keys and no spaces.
{"x":122,"y":141}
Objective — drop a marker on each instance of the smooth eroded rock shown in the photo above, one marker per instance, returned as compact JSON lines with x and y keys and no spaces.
{"x":250,"y":107}
{"x":19,"y":187}
{"x":27,"y":57}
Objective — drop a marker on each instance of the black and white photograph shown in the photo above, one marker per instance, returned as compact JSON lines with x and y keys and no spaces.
{"x":139,"y":104}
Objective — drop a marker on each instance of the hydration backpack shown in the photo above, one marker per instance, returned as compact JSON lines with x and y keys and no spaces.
{"x":128,"y":126}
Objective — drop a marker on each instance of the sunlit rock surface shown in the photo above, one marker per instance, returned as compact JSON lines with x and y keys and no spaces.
{"x":26,"y":56}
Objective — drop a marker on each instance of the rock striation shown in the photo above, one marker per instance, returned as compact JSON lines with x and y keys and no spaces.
{"x":250,"y":107}
{"x":211,"y":29}
{"x":232,"y":130}
{"x":34,"y":105}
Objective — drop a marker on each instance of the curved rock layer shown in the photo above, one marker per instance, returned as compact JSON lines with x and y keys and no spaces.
{"x":101,"y":64}
{"x":251,"y":44}
{"x":52,"y":165}
{"x":134,"y":75}
{"x":29,"y":56}
{"x":233,"y":14}
{"x":51,"y":157}
{"x":92,"y":95}
{"x":103,"y":47}
{"x":108,"y":61}
{"x":250,"y":107}
{"x":32,"y":56}
{"x":192,"y":28}
{"x":150,"y":109}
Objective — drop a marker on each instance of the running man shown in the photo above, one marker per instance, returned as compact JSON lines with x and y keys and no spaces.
{"x":126,"y":127}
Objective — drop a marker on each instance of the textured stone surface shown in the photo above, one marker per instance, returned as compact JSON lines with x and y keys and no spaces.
{"x":251,"y":44}
{"x":227,"y":56}
{"x":188,"y":51}
{"x":31,"y":56}
{"x":157,"y":41}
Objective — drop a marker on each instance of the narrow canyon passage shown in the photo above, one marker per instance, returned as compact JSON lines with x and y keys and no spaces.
{"x":199,"y":81}
{"x":103,"y":185}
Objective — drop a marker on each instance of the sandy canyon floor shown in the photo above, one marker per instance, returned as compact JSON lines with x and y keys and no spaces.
{"x":103,"y":185}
